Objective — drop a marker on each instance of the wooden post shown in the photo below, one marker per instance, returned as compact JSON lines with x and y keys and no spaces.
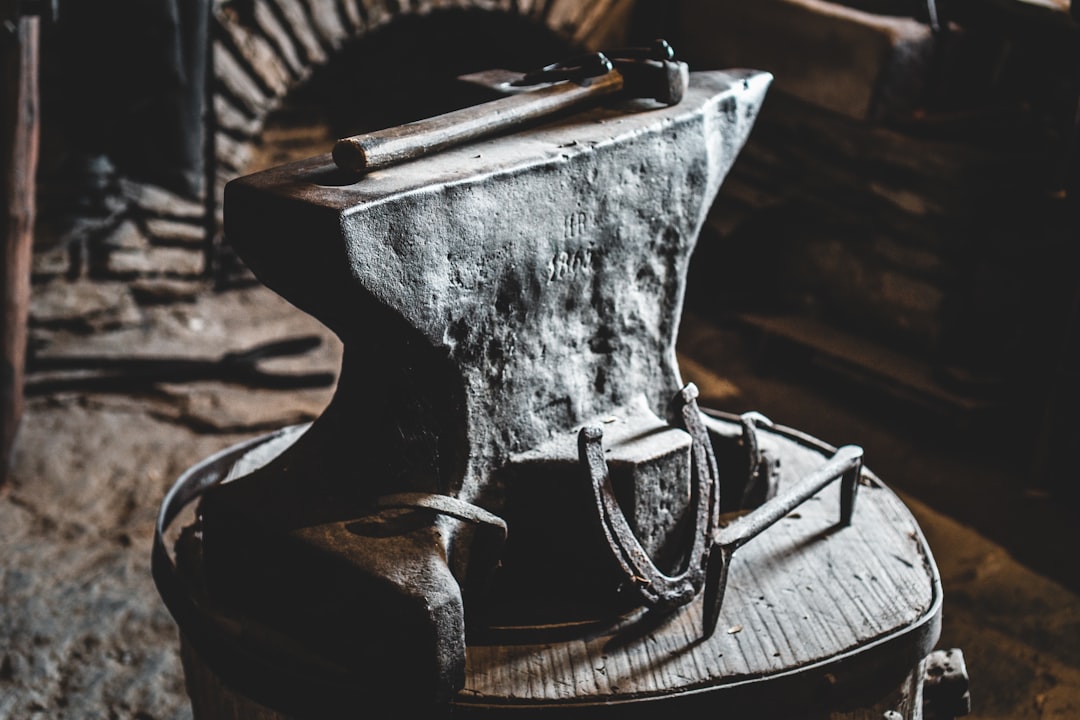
{"x":18,"y":166}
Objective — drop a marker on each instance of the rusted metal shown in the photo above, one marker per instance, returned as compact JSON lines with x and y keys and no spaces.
{"x":845,"y":465}
{"x":946,"y":688}
{"x":579,"y":69}
{"x":657,"y":589}
{"x":762,"y":467}
{"x":713,"y":546}
{"x":649,"y":72}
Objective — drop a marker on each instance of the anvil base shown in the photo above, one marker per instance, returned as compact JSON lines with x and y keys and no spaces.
{"x":817,"y":623}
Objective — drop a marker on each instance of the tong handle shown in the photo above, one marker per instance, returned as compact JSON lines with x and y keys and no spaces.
{"x":845,"y":464}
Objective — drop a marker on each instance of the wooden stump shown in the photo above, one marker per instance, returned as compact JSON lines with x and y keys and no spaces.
{"x":819,"y":622}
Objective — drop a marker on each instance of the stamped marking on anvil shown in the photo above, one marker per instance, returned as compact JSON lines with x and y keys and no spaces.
{"x":576,"y":223}
{"x":575,"y":255}
{"x":568,"y":263}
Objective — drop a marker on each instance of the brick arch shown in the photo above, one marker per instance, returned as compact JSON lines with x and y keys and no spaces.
{"x":261,"y":50}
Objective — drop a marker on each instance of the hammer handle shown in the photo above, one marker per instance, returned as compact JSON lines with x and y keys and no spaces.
{"x":383,"y":148}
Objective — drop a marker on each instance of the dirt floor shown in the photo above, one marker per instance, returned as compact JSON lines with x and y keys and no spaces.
{"x":83,"y":633}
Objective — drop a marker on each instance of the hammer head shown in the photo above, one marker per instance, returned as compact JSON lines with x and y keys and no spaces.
{"x":664,"y":81}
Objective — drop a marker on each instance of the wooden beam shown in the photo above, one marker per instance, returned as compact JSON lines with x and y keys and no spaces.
{"x":19,"y":127}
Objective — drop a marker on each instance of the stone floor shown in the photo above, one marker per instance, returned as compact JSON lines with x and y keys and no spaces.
{"x":83,"y":633}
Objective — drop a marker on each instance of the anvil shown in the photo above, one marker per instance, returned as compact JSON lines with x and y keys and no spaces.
{"x":492,"y":300}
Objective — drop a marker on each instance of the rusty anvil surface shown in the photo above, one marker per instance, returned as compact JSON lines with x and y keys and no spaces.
{"x":491,"y":299}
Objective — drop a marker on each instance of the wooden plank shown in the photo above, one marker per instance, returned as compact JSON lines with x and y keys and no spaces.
{"x":18,"y":158}
{"x":859,"y":64}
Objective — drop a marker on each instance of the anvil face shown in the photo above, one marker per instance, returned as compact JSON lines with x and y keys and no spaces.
{"x":542,"y":273}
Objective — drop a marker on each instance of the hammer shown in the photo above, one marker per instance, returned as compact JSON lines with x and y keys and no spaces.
{"x":646,"y":73}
